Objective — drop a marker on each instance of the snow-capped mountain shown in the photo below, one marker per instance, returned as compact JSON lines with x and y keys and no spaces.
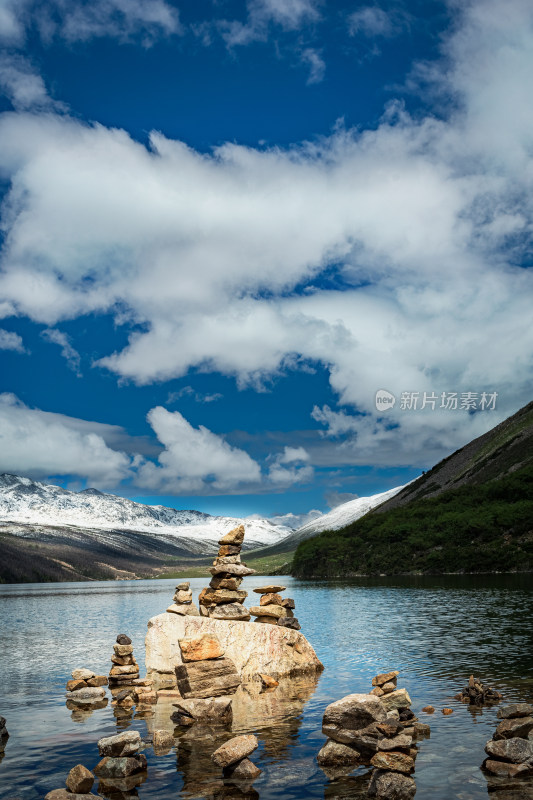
{"x":32,"y":503}
{"x":345,"y":514}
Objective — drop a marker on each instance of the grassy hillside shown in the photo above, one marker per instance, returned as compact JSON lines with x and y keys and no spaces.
{"x":474,"y":528}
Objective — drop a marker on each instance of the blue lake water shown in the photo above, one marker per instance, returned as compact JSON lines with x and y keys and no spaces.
{"x":435,"y":631}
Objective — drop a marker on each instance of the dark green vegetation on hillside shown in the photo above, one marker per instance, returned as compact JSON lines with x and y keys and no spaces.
{"x":475,"y":528}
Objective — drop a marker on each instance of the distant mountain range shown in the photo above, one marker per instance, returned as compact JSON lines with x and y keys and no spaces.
{"x":50,"y":533}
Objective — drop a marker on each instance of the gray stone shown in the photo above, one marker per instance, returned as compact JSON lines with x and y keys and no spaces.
{"x":515,"y":750}
{"x":183,"y":587}
{"x":215,"y":710}
{"x":519,"y":727}
{"x":123,"y":639}
{"x":242,"y":770}
{"x":515,"y":710}
{"x":234,"y":750}
{"x":232,"y":569}
{"x":121,"y":767}
{"x":230,"y":611}
{"x":91,"y":694}
{"x":80,"y":780}
{"x":335,"y":754}
{"x":289,"y":622}
{"x":399,"y":699}
{"x":354,"y":713}
{"x":394,"y":761}
{"x":82,"y":674}
{"x":421,"y":730}
{"x":391,"y":786}
{"x":123,"y":744}
{"x":64,"y":794}
{"x":401,"y":742}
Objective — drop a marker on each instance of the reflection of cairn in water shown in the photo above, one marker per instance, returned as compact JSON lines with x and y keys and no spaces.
{"x":223,"y":599}
{"x":232,"y":756}
{"x":274,"y":609}
{"x":182,"y":601}
{"x":477,"y":694}
{"x":510,"y":751}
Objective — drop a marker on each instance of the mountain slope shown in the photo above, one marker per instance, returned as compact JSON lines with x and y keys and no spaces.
{"x":483,"y":524}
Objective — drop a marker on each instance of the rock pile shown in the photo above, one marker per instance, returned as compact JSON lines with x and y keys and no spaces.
{"x":478,"y":695}
{"x":273,"y":609}
{"x":4,"y":735}
{"x":223,"y":599}
{"x":79,"y":783}
{"x":182,"y":601}
{"x":232,"y":756}
{"x":85,"y":678}
{"x":86,"y":689}
{"x":510,"y":751}
{"x":204,"y":673}
{"x":120,"y":756}
{"x":125,"y":669}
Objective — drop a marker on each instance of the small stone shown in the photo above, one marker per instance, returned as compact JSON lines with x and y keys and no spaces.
{"x":389,"y":687}
{"x":515,"y":710}
{"x":80,"y":780}
{"x":216,"y":710}
{"x":129,"y":669}
{"x":234,"y":750}
{"x":207,"y":678}
{"x":269,"y":589}
{"x":515,"y":750}
{"x":76,"y":684}
{"x":183,"y":587}
{"x":421,"y":730}
{"x":271,"y":610}
{"x":391,"y":786}
{"x":123,"y":639}
{"x":219,"y":596}
{"x":271,"y":599}
{"x":400,"y":742}
{"x":147,"y":698}
{"x":447,"y":711}
{"x":235,"y":536}
{"x":91,"y":694}
{"x":292,"y":623}
{"x":377,"y":691}
{"x":397,"y":762}
{"x":98,"y":680}
{"x":515,"y":726}
{"x":495,"y":767}
{"x":266,"y":620}
{"x":82,"y":674}
{"x":389,"y":729}
{"x":243,"y":770}
{"x":335,"y":754}
{"x":120,"y":767}
{"x":183,"y":597}
{"x":123,"y":744}
{"x":428,"y":709}
{"x":221,"y":561}
{"x":219,"y":582}
{"x":268,"y":682}
{"x":286,"y":602}
{"x":122,"y":650}
{"x":64,"y":794}
{"x":200,"y":648}
{"x":232,"y":611}
{"x":385,"y":677}
{"x":122,"y":661}
{"x":229,"y":550}
{"x":162,"y":740}
{"x":177,"y":609}
{"x":232,"y":569}
{"x":399,"y":699}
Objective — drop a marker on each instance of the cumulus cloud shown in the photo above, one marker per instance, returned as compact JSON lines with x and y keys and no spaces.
{"x":374,"y":21}
{"x":41,"y":444}
{"x":290,"y":467}
{"x":69,"y":353}
{"x":425,"y":220}
{"x":11,"y":341}
{"x":195,"y":460}
{"x":289,"y":15}
{"x":23,"y":86}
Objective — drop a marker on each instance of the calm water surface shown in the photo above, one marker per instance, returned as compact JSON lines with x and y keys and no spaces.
{"x":436,"y":631}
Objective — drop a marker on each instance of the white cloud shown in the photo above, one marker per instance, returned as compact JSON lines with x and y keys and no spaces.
{"x":40,"y":444}
{"x":290,"y":466}
{"x":75,"y":20}
{"x":425,"y":221}
{"x":373,"y":21}
{"x":23,"y":86}
{"x":289,"y":15}
{"x":195,"y":460}
{"x":11,"y":341}
{"x":69,"y":353}
{"x":316,"y":64}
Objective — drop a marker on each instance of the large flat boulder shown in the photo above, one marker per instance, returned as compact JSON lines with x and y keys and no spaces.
{"x":276,"y":651}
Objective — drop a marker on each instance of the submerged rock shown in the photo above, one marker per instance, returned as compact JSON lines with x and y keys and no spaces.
{"x":243,"y":770}
{"x":215,"y":710}
{"x":335,"y":754}
{"x":234,"y":750}
{"x":391,"y":786}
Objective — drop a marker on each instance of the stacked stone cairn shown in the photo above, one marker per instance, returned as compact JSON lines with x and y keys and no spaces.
{"x":182,"y":601}
{"x":510,"y":751}
{"x":125,"y":670}
{"x":223,"y":599}
{"x":85,"y":688}
{"x":206,"y":679}
{"x":376,"y":729}
{"x":120,"y":757}
{"x":232,"y":757}
{"x":478,"y":695}
{"x":79,"y":783}
{"x":273,"y":609}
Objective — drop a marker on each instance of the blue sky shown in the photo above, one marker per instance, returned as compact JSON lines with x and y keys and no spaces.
{"x":227,"y":225}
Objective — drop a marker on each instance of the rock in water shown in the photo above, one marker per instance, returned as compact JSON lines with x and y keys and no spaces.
{"x":234,"y":750}
{"x":270,"y":649}
{"x":243,"y":770}
{"x":398,"y":699}
{"x":396,"y":762}
{"x":123,"y":744}
{"x":120,"y":767}
{"x":214,"y":710}
{"x":80,"y":780}
{"x":510,"y":728}
{"x":515,"y":710}
{"x":515,"y":750}
{"x":391,"y":786}
{"x":207,"y":678}
{"x":335,"y":754}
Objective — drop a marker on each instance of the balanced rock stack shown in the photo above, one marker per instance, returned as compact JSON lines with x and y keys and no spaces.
{"x":232,"y":756}
{"x":273,"y":609}
{"x":120,"y":756}
{"x":85,"y":688}
{"x":223,"y":599}
{"x":205,"y":673}
{"x":183,"y":603}
{"x":510,"y":751}
{"x":478,"y":695}
{"x":79,"y":783}
{"x":125,"y":669}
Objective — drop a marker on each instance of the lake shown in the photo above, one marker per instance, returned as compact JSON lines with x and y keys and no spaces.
{"x":435,"y":631}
